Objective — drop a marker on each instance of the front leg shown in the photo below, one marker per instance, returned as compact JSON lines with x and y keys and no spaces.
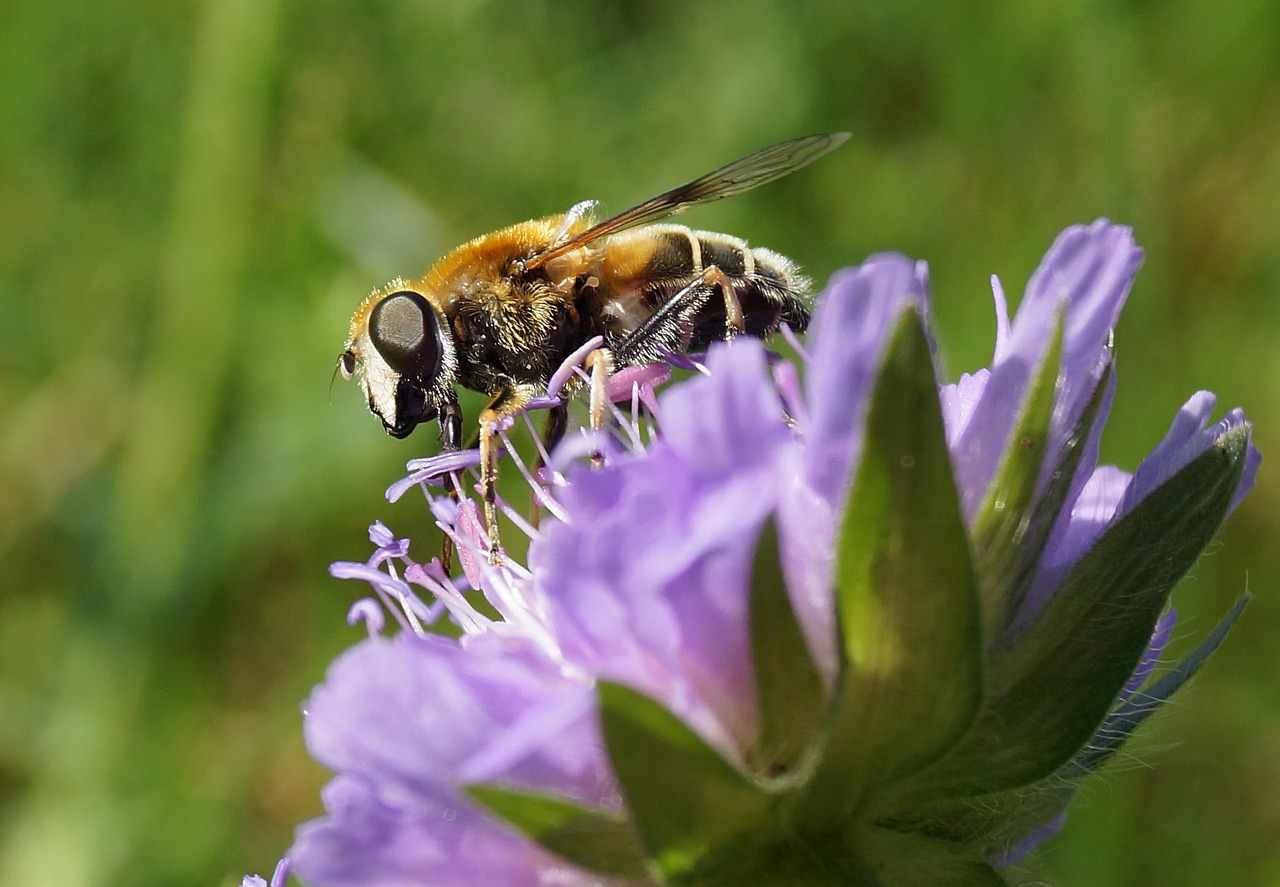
{"x":450,"y":419}
{"x":508,"y":402}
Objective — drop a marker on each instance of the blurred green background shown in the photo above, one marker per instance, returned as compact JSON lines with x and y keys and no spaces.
{"x":193,"y":198}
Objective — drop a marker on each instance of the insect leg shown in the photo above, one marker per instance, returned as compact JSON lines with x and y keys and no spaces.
{"x":669,"y":328}
{"x":508,"y":402}
{"x":600,"y":362}
{"x":665,"y":331}
{"x":553,"y":431}
{"x":734,"y":323}
{"x":450,"y":419}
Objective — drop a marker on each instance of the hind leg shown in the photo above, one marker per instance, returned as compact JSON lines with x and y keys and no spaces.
{"x":672,"y":323}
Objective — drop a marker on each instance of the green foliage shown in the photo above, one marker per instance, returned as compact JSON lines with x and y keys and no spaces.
{"x":193,"y":197}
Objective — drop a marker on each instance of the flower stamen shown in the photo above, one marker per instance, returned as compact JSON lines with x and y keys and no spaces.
{"x":541,"y":495}
{"x":368,"y":611}
{"x":465,"y":616}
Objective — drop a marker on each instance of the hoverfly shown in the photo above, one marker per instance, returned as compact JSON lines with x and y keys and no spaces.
{"x":501,"y":313}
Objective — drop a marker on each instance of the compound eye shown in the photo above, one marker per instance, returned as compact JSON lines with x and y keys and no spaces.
{"x":347,"y":365}
{"x":403,"y":329}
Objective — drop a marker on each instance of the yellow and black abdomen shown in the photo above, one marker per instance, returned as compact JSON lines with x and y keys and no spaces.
{"x":643,"y":274}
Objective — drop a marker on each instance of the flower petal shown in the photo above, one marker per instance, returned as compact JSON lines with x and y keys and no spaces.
{"x":495,"y":705}
{"x":494,"y":710}
{"x":1090,"y":270}
{"x":438,"y":841}
{"x":657,"y":550}
{"x":852,"y":323}
{"x":1109,"y":494}
{"x":1188,"y":436}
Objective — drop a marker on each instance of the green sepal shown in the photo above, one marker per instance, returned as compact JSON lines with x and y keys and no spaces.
{"x":592,"y":839}
{"x":1051,"y":691}
{"x":791,"y":699}
{"x":864,"y":855}
{"x":906,"y":595}
{"x":899,"y":859}
{"x":1125,"y":718}
{"x":1047,"y":506}
{"x":1004,"y":520}
{"x":685,"y":800}
{"x":993,"y":823}
{"x":786,"y":861}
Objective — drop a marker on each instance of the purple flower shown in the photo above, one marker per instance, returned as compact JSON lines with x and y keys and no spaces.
{"x":825,"y":623}
{"x":498,"y":709}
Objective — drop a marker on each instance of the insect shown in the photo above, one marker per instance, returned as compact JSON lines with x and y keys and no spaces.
{"x":501,"y":313}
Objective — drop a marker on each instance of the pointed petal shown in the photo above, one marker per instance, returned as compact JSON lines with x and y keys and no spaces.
{"x":851,"y":327}
{"x":1088,"y":270}
{"x":1110,"y":494}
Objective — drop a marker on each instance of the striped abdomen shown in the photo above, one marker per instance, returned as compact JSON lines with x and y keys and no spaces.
{"x":640,"y":273}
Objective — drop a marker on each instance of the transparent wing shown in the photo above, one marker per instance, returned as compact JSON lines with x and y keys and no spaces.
{"x":741,"y":175}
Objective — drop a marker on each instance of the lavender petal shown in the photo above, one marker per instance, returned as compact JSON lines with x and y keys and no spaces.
{"x":851,"y":327}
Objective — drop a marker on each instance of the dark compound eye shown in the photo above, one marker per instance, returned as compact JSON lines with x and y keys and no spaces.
{"x":347,"y":365}
{"x":403,"y":329}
